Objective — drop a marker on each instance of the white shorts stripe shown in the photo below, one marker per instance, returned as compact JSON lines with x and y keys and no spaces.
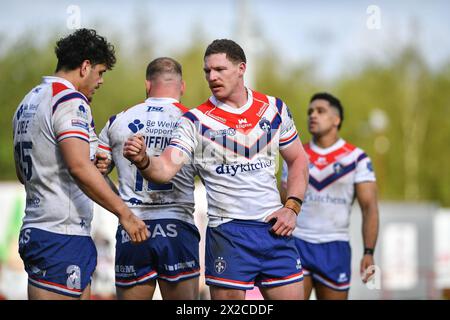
{"x":280,"y":281}
{"x":344,"y":286}
{"x":120,"y":283}
{"x":179,"y":277}
{"x":55,"y":287}
{"x":229,"y":283}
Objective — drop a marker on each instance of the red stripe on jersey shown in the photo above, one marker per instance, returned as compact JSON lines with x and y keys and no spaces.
{"x":73,"y":132}
{"x":181,"y":107}
{"x":323,"y":160}
{"x":104,"y":147}
{"x":57,"y":87}
{"x":244,"y":122}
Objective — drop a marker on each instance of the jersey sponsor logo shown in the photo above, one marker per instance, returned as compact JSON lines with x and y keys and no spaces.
{"x":180,"y":265}
{"x":73,"y":277}
{"x":154,"y":109}
{"x":242,"y":124}
{"x":169,"y":230}
{"x":37,"y":271}
{"x":134,"y":201}
{"x":220,"y":265}
{"x":321,"y":161}
{"x":264,"y":124}
{"x":298,"y":265}
{"x":262,"y":110}
{"x":213,"y":134}
{"x":135,"y":126}
{"x":369,"y":166}
{"x":25,"y":237}
{"x":233,"y":169}
{"x":80,"y":124}
{"x":343,"y":277}
{"x":82,"y":112}
{"x":310,"y":197}
{"x":125,"y":269}
{"x":26,"y":111}
{"x":157,"y":141}
{"x":33,"y":202}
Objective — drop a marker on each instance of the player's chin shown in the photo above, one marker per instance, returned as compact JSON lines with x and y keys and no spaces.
{"x":313,"y":129}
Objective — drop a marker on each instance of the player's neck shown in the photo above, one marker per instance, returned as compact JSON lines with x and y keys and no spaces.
{"x":69,"y":76}
{"x":325,"y":141}
{"x":164,"y":94}
{"x":237,"y":99}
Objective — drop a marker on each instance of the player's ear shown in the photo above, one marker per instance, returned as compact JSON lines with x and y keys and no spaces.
{"x":85,"y":68}
{"x":183,"y":87}
{"x":242,"y":68}
{"x":337,"y":121}
{"x":148,"y":86}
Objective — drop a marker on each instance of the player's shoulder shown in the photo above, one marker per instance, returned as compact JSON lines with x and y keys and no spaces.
{"x":357,"y":152}
{"x":62,"y":93}
{"x":124,"y":115}
{"x":68,"y":97}
{"x":273,"y":101}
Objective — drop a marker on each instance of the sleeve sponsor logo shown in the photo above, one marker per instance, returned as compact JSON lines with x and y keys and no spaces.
{"x":80,"y":124}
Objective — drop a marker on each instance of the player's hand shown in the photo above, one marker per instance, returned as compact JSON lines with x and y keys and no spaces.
{"x":134,"y":149}
{"x":102,"y":162}
{"x":135,"y":227}
{"x":367,"y":272}
{"x":286,"y":220}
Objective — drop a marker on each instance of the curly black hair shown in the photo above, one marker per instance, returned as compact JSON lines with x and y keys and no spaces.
{"x":84,"y":44}
{"x":233,"y":51}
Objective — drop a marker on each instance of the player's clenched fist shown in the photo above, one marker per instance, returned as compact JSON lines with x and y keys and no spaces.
{"x":102,"y":162}
{"x":134,"y":149}
{"x":135,"y":227}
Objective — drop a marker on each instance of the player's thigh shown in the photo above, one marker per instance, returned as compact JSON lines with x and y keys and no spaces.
{"x":181,"y":290}
{"x":325,"y":293}
{"x":292,"y":291}
{"x":143,"y":291}
{"x":222,"y":293}
{"x":86,"y":295}
{"x":35,"y":293}
{"x":308,"y":286}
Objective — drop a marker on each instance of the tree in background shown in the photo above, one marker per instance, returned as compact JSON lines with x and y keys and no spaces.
{"x":397,"y":111}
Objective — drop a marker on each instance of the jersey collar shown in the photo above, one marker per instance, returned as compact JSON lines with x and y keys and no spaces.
{"x":337,"y":145}
{"x":230,"y":109}
{"x":162,"y":100}
{"x":52,"y":79}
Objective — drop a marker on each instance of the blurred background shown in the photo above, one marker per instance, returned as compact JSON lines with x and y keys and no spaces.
{"x":387,"y":61}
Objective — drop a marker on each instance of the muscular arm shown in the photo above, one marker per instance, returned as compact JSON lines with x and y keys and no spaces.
{"x":297,"y":181}
{"x":366,"y":193}
{"x":75,"y":153}
{"x":160,"y":169}
{"x":298,"y":174}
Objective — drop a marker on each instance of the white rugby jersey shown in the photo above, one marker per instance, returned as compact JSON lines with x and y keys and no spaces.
{"x":155,"y":119}
{"x":49,"y":113}
{"x":234,"y":151}
{"x":333,"y":173}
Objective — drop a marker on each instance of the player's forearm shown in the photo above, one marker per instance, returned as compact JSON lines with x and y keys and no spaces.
{"x":370,"y":225}
{"x":93,"y":184}
{"x":155,"y":169}
{"x":298,"y":176}
{"x":163,"y":168}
